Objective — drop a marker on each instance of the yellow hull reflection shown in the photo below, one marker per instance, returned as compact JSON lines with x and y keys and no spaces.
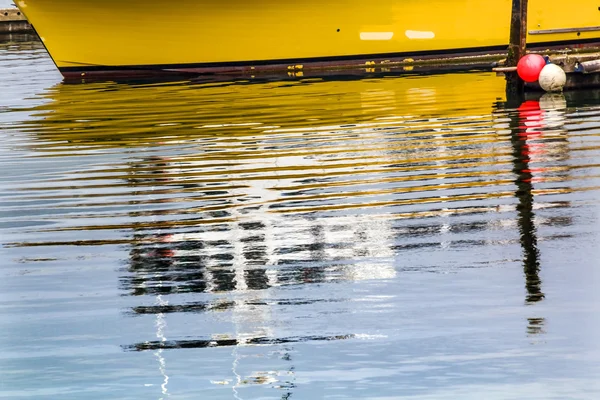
{"x":133,"y":115}
{"x":332,"y":128}
{"x":207,"y":35}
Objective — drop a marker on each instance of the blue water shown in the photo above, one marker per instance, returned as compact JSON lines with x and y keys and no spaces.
{"x":385,"y":238}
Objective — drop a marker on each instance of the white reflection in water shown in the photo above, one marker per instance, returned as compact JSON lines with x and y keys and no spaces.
{"x":161,"y":325}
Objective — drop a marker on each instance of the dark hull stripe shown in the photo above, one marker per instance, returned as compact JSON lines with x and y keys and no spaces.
{"x":314,"y":62}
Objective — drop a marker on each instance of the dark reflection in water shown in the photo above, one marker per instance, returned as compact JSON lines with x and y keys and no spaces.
{"x":306,"y":239}
{"x":529,"y":110}
{"x":221,"y":306}
{"x":536,"y":118}
{"x":188,"y":344}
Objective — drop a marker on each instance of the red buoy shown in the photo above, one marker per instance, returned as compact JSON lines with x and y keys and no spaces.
{"x":530,"y":66}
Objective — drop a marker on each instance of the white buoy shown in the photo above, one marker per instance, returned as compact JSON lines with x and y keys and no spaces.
{"x":552,"y":78}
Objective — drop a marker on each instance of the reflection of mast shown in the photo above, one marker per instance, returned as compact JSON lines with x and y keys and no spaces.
{"x":161,"y":324}
{"x":253,"y":250}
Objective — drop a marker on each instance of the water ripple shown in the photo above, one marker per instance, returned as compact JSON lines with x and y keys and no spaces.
{"x":282,"y":227}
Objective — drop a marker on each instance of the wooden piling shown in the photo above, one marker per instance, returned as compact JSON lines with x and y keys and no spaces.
{"x":518,"y":32}
{"x":517,"y":47}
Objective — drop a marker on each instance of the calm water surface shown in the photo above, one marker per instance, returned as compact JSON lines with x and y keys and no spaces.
{"x":384,"y":238}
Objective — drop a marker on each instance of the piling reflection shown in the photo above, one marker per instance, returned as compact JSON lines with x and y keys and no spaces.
{"x":539,"y":138}
{"x":540,"y":157}
{"x":528,"y":122}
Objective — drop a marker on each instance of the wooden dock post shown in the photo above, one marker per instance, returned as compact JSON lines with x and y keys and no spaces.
{"x":517,"y":46}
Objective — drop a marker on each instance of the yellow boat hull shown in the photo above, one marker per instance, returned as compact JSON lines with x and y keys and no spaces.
{"x":110,"y":36}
